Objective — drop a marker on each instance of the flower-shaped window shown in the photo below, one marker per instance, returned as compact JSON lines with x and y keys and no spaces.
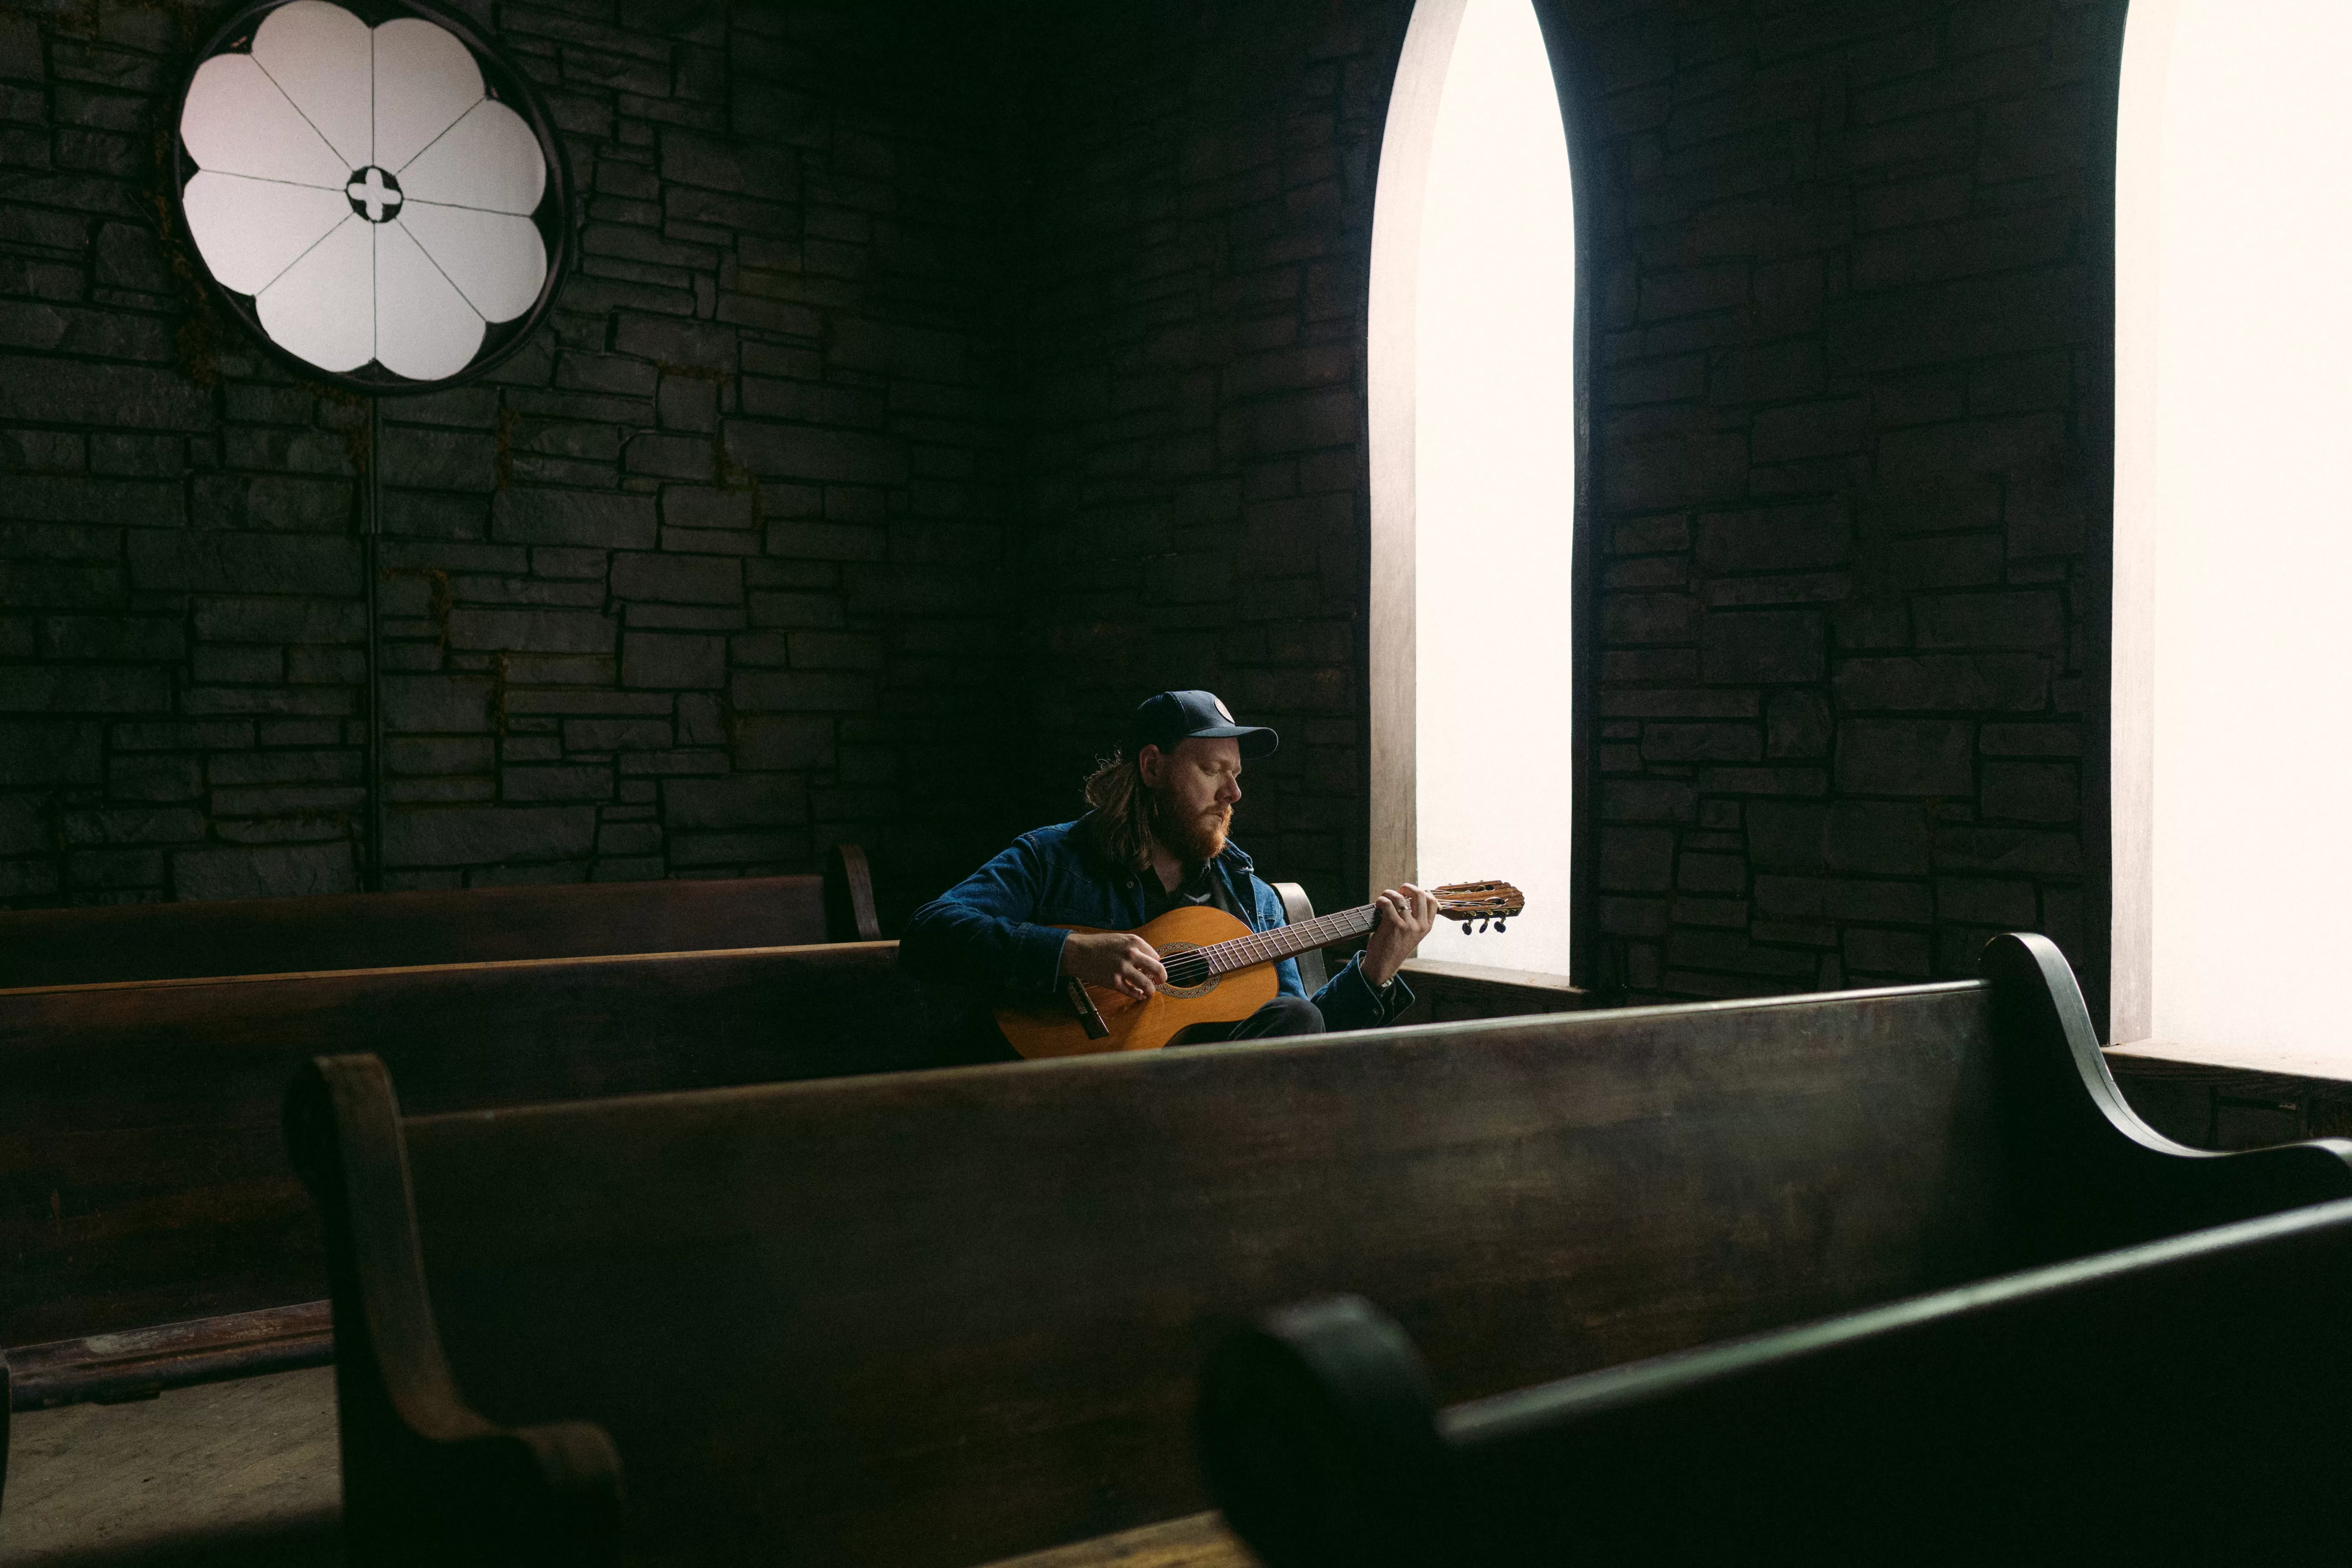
{"x":369,"y":194}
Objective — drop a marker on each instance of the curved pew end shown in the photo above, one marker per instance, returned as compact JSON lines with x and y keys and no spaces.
{"x":850,"y":915}
{"x":2087,"y":1173}
{"x":1297,"y":908}
{"x":543,"y":1494}
{"x":1002,"y":1360}
{"x":1327,"y":1401}
{"x":2093,"y":1385}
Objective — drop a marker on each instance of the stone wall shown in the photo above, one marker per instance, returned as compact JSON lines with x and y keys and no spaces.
{"x":1845,"y":683}
{"x":704,"y":579}
{"x":1851,"y":389}
{"x":1193,"y":466}
{"x":936,"y":384}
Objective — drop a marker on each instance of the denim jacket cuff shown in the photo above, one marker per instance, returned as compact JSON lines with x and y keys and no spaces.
{"x":1361,"y":1006}
{"x":1038,"y":966}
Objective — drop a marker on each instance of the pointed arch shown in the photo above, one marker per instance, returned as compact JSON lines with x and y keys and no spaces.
{"x":1475,"y":411}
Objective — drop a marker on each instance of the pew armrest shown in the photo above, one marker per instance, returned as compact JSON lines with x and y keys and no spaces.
{"x":1327,"y":1401}
{"x":2099,"y":1176}
{"x":1299,"y":909}
{"x":849,"y":895}
{"x":426,"y":1476}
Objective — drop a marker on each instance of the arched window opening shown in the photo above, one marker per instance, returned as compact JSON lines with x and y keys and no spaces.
{"x":2233,"y":690}
{"x":1473,"y":405}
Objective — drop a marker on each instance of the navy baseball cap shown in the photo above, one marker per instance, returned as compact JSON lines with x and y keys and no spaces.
{"x":1173,"y":717}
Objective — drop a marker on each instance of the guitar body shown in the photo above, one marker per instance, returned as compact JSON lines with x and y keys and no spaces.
{"x":1046,"y":1027}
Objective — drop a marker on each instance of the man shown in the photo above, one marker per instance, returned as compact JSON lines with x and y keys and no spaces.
{"x":1154,"y":840}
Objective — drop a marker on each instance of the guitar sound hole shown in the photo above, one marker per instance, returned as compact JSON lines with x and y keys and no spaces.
{"x":1185,"y":972}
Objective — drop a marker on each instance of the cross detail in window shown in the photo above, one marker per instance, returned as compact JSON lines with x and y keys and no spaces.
{"x":375,"y":194}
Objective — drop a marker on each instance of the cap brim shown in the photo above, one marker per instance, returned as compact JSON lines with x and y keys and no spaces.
{"x":1256,"y":740}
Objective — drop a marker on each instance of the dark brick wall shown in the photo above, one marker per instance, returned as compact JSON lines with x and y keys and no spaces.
{"x":935,"y":385}
{"x":1193,"y":466}
{"x":696,"y":584}
{"x":1850,"y":378}
{"x":1852,"y":390}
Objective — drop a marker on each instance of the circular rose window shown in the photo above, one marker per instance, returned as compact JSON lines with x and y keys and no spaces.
{"x":380,"y":197}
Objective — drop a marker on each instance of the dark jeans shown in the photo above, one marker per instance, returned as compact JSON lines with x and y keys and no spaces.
{"x":1283,"y":1015}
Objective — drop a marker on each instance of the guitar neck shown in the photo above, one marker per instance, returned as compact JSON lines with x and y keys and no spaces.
{"x":1285,"y":941}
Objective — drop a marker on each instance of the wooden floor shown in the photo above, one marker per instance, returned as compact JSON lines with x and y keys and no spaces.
{"x":243,"y":1475}
{"x":1199,"y":1541}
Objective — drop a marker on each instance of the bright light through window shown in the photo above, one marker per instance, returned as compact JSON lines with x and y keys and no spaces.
{"x":2233,"y":530}
{"x":1472,"y":363}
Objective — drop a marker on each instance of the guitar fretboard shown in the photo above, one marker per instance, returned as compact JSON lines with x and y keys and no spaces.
{"x":1285,"y":941}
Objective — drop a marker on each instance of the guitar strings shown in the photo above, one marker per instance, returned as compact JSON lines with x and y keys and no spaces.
{"x":1258,"y":947}
{"x":1195,"y":968}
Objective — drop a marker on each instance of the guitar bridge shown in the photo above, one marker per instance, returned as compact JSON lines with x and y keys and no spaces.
{"x":1090,"y":1016}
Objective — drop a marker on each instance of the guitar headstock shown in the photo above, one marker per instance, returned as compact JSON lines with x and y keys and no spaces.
{"x":1484,"y":902}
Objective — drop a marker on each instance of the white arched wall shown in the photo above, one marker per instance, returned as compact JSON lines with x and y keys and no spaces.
{"x":2232,"y":682}
{"x":1472,"y":404}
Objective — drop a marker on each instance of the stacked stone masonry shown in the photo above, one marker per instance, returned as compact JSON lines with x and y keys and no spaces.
{"x":1852,"y":372}
{"x":1195,"y":467}
{"x":932,"y":384}
{"x":692,"y":585}
{"x":1849,"y":374}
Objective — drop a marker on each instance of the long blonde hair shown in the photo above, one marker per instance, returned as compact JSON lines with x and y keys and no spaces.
{"x":1122,"y":824}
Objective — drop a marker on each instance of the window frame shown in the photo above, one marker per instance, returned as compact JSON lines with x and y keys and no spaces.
{"x":1407,"y":135}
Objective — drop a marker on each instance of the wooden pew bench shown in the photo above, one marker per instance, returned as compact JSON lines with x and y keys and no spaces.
{"x":180,"y":1206}
{"x":937,"y":1319}
{"x":380,"y":931}
{"x":155,"y":1234}
{"x":2235,"y":1097}
{"x":1197,"y":1541}
{"x":2162,"y":1403}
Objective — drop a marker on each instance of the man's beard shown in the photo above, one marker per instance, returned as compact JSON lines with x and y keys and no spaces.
{"x":1193,"y":839}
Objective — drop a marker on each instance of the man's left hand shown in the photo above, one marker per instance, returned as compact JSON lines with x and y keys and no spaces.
{"x":1407,"y":913}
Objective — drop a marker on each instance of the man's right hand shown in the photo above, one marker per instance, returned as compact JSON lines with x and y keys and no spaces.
{"x":1114,"y":960}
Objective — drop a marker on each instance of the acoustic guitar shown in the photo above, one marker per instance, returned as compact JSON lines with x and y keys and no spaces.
{"x":1219,"y":972}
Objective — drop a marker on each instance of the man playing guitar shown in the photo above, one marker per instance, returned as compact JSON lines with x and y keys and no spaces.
{"x":1154,"y":841}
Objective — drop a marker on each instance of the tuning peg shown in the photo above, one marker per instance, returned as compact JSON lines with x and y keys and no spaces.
{"x":1466,"y":927}
{"x":1499,"y":927}
{"x":1481,"y":925}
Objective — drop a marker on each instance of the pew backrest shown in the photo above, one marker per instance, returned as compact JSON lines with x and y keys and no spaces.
{"x":2152,"y":1404}
{"x":378,"y":931}
{"x":142,"y":1174}
{"x":939,"y":1318}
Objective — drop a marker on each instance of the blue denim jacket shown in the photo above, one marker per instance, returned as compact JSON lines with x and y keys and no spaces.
{"x":995,"y":928}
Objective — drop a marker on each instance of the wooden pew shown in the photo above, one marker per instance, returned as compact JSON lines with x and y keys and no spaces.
{"x":2168,"y":1402}
{"x":939,"y":1318}
{"x":176,"y":1203}
{"x":155,"y":1234}
{"x":2223,"y":1096}
{"x":1197,"y":1541}
{"x":378,"y":931}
